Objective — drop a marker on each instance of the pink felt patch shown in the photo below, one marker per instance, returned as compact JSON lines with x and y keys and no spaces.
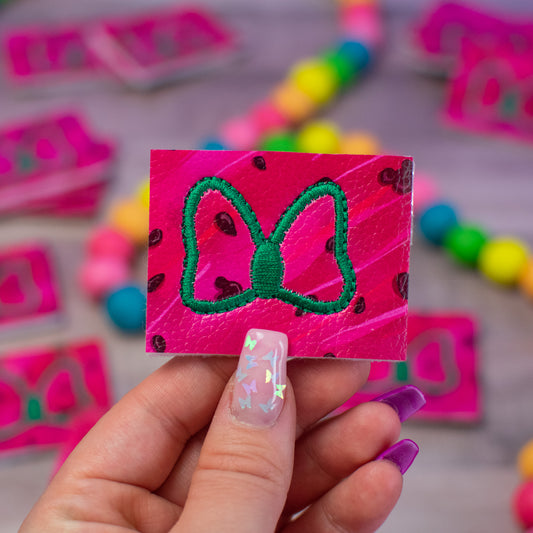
{"x":492,"y":91}
{"x":44,"y":393}
{"x":372,"y":326}
{"x":53,"y":165}
{"x":439,"y":33}
{"x":28,"y":289}
{"x":43,"y":54}
{"x":154,"y":48}
{"x":442,"y":361}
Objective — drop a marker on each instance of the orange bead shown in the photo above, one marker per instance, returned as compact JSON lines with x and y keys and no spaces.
{"x":349,"y":3}
{"x":526,"y":281}
{"x":292,"y":103}
{"x":359,"y":142}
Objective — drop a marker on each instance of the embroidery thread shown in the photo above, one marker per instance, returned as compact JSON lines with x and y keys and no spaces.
{"x":267,"y":267}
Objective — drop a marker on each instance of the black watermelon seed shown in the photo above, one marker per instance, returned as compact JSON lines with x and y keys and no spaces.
{"x":159,"y":344}
{"x":259,"y":162}
{"x":227,"y":288}
{"x":155,"y":237}
{"x":388,"y":176}
{"x":225,"y":223}
{"x":404,"y":182}
{"x":360,"y":305}
{"x":329,"y":354}
{"x":330,"y":245}
{"x":220,"y":282}
{"x":401,"y":284}
{"x":325,"y":179}
{"x":155,"y":281}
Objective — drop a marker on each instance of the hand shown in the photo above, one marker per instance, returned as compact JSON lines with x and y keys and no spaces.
{"x":189,"y":451}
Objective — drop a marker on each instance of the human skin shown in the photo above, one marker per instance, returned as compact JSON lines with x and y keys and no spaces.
{"x":173,"y":455}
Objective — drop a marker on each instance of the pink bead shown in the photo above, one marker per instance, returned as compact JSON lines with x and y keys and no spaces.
{"x":239,"y":134}
{"x":266,"y":118}
{"x":362,"y":23}
{"x":100,"y":274}
{"x":425,"y":193}
{"x":106,"y":241}
{"x":522,"y":502}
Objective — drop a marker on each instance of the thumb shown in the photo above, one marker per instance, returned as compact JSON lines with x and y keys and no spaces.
{"x":245,"y":467}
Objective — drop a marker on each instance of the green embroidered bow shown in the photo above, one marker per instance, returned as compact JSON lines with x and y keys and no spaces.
{"x":267,"y":266}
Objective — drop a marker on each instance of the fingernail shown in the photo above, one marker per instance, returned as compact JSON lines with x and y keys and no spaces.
{"x":406,"y":401}
{"x":402,"y":454}
{"x":261,"y":378}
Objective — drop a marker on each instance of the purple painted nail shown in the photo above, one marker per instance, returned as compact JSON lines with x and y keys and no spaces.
{"x":402,"y":454}
{"x":406,"y":400}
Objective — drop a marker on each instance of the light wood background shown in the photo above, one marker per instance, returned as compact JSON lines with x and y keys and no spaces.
{"x":463,"y":479}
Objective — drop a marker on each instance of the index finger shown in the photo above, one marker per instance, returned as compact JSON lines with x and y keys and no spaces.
{"x":139,"y":440}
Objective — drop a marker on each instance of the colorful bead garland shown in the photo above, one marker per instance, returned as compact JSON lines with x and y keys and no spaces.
{"x":503,"y":260}
{"x":309,"y":85}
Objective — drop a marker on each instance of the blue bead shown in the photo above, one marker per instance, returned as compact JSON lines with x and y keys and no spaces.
{"x":437,"y":221}
{"x":357,"y":53}
{"x":212,"y":144}
{"x":126,"y":307}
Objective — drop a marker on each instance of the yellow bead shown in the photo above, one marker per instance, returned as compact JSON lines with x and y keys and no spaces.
{"x":316,"y":78}
{"x":525,"y":461}
{"x":143,"y":193}
{"x":503,"y":260}
{"x":359,"y":142}
{"x":526,"y":279}
{"x":319,"y":137}
{"x":292,"y":103}
{"x":130,"y":218}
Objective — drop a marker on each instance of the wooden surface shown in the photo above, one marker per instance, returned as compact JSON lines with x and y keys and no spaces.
{"x":464,"y":476}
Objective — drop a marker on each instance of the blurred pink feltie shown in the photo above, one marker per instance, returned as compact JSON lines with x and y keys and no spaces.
{"x":28,"y":287}
{"x":442,"y":361}
{"x":492,"y":91}
{"x":48,"y":394}
{"x":53,"y":165}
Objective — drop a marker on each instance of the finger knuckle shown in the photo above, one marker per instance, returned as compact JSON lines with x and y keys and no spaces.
{"x":253,"y":462}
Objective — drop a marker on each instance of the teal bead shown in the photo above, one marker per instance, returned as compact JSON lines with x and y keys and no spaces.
{"x":126,"y":308}
{"x":357,"y":53}
{"x":282,"y":141}
{"x":213,"y":144}
{"x":437,"y":221}
{"x":464,"y":244}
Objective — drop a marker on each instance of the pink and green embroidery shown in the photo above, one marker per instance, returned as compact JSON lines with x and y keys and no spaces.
{"x":267,"y":265}
{"x":313,"y":245}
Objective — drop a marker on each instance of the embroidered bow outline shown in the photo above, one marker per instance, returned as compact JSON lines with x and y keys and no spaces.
{"x":267,"y":267}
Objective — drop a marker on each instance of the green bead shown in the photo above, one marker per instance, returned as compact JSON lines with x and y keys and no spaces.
{"x":464,"y":244}
{"x":34,"y":409}
{"x":341,"y":65}
{"x":282,"y":141}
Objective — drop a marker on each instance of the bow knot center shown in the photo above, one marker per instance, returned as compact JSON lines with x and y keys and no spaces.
{"x":267,"y":270}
